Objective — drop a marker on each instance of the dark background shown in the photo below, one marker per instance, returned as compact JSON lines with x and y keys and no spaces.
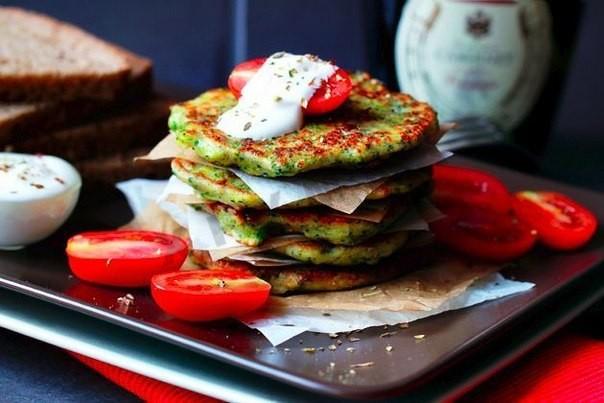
{"x":195,"y":43}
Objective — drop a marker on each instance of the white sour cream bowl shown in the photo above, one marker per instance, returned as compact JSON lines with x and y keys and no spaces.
{"x":37,"y":195}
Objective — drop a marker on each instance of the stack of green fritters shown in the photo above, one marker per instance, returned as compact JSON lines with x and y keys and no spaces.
{"x":338,"y":251}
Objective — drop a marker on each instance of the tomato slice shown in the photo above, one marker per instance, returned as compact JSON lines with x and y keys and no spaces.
{"x":124,"y":258}
{"x":560,"y":221}
{"x":454,"y":185}
{"x":242,"y":73}
{"x":330,"y":96}
{"x":204,"y":295}
{"x":483,"y":234}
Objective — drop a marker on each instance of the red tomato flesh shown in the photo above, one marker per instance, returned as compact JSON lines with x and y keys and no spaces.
{"x":205,"y":295}
{"x":124,"y":258}
{"x":561,"y":222}
{"x":483,"y":234}
{"x":242,"y":73}
{"x":460,"y":186}
{"x":330,"y":96}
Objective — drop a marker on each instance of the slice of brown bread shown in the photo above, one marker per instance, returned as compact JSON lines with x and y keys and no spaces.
{"x":140,"y":80}
{"x":139,"y":125}
{"x":119,"y":167}
{"x":42,"y":58}
{"x":21,"y":120}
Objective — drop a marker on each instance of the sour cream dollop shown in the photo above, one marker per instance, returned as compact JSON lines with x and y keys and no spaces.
{"x":272,"y":101}
{"x":37,"y":194}
{"x":25,"y":177}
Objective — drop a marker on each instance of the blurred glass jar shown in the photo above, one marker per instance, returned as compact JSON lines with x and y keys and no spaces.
{"x":475,"y":58}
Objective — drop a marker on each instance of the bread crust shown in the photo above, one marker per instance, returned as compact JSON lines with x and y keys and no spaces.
{"x":22,"y":120}
{"x":38,"y":83}
{"x":141,"y":125}
{"x":119,"y":167}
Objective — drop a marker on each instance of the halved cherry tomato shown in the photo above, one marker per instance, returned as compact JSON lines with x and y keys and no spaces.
{"x":242,"y":73}
{"x":483,"y":234}
{"x":332,"y":93}
{"x":124,"y":258}
{"x":561,"y":222}
{"x":454,"y":185}
{"x":204,"y":295}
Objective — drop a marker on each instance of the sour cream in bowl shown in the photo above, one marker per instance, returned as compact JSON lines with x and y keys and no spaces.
{"x":37,"y":195}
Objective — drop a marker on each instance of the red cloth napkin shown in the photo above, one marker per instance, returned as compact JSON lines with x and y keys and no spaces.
{"x":569,"y":367}
{"x":566,"y":368}
{"x":149,"y":390}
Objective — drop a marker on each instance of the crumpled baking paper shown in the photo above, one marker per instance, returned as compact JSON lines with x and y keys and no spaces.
{"x":342,"y":190}
{"x":451,"y":284}
{"x":278,"y":192}
{"x":287,"y":323}
{"x":205,"y":232}
{"x":178,"y":192}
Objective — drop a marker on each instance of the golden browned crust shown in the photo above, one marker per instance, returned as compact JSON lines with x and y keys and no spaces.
{"x":312,"y":278}
{"x":373,"y":125}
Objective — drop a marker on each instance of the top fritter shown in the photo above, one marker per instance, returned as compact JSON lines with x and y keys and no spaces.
{"x":373,"y":124}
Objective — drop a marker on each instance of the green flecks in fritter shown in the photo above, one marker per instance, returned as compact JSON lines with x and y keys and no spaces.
{"x":368,"y":127}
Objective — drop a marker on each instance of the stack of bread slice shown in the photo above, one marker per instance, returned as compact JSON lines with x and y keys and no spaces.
{"x":320,"y":247}
{"x":68,"y":93}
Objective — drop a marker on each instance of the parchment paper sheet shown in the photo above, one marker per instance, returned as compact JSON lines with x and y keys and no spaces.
{"x":204,"y":231}
{"x":450,"y":284}
{"x":289,"y":321}
{"x":342,"y":190}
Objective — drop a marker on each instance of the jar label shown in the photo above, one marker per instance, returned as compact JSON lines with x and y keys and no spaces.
{"x":474,"y":58}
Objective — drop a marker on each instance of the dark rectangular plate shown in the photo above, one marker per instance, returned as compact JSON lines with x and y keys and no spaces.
{"x":41,"y":271}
